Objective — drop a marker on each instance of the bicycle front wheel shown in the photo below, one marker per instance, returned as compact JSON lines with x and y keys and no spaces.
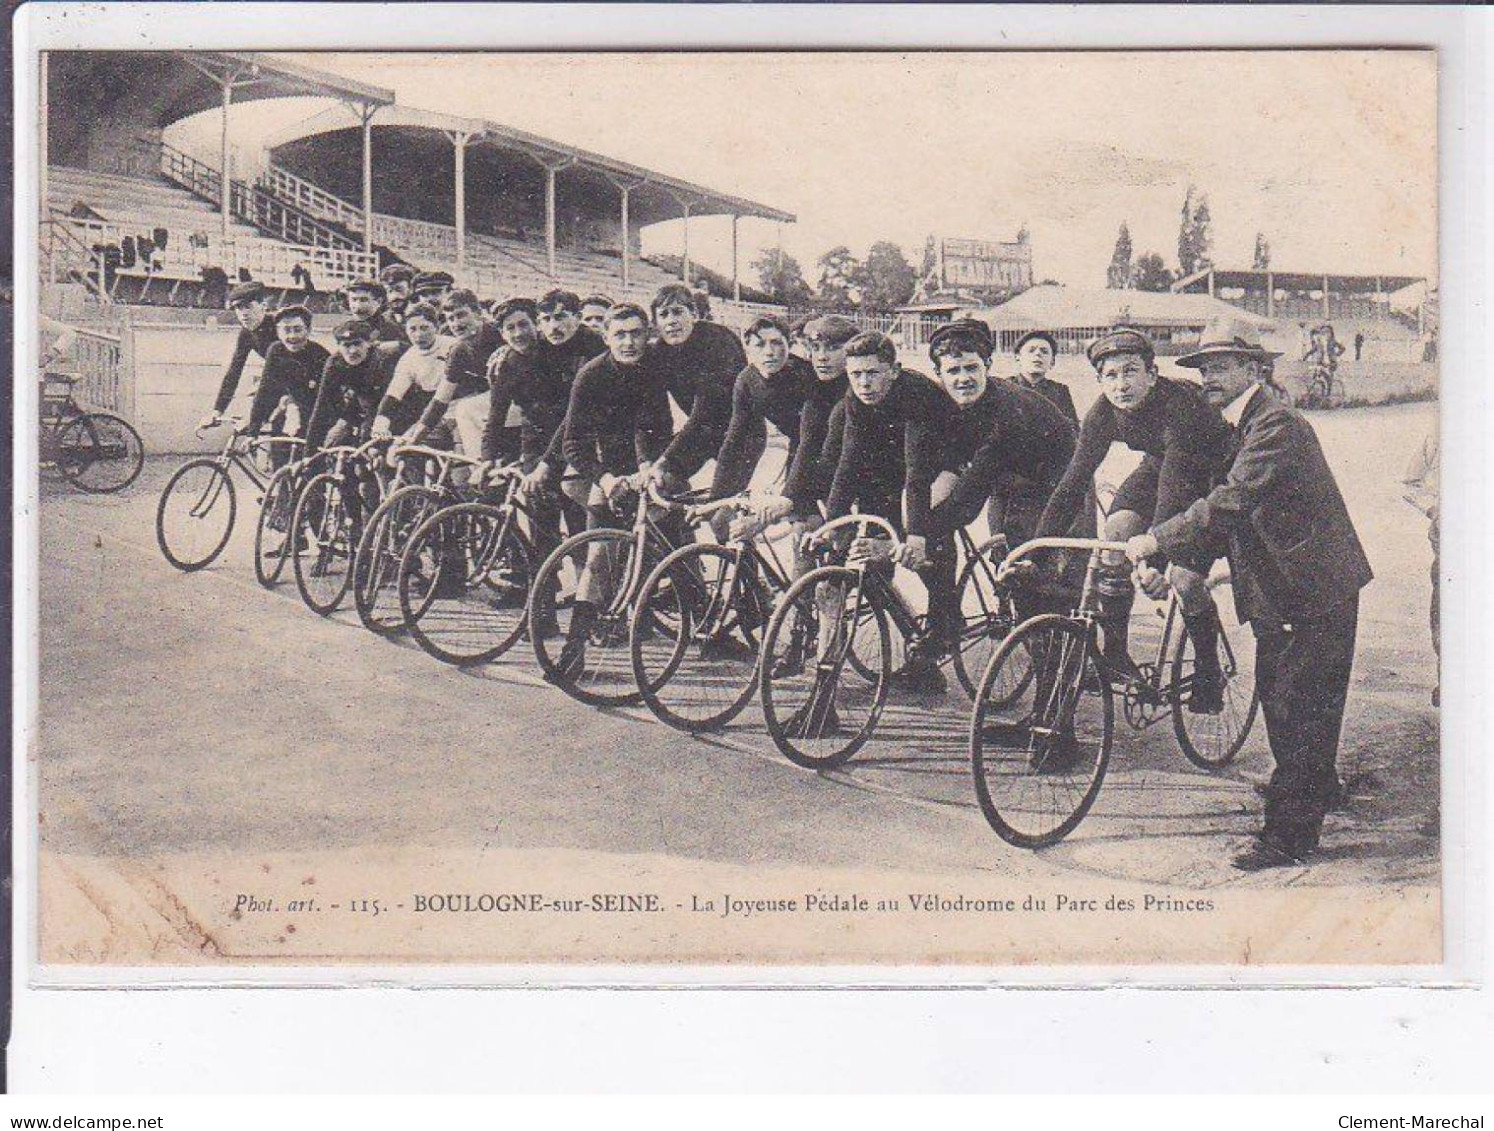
{"x":696,"y":635}
{"x":825,"y":663}
{"x":1211,"y":740}
{"x":323,"y":534}
{"x":580,"y":612}
{"x":272,"y":528}
{"x":464,"y":583}
{"x":1039,"y":755}
{"x":376,"y":561}
{"x":99,"y":452}
{"x":195,"y":516}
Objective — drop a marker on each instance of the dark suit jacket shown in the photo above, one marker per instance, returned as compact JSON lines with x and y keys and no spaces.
{"x":1292,"y":547}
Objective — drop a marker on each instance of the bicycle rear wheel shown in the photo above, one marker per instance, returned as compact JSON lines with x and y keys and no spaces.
{"x":195,"y":516}
{"x":99,"y":452}
{"x":1211,"y":741}
{"x":376,"y":561}
{"x":699,"y":625}
{"x":272,"y":529}
{"x":323,"y":534}
{"x":1039,"y":756}
{"x":580,"y":611}
{"x":820,"y":705}
{"x":464,"y":582}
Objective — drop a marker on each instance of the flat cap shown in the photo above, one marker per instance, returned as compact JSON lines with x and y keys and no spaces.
{"x":397,"y":273}
{"x":1123,"y":339}
{"x":295,"y":310}
{"x":964,"y":327}
{"x":246,"y":292}
{"x":833,"y":329}
{"x":432,"y":281}
{"x":353,"y":330}
{"x":1037,"y":336}
{"x":367,"y":286}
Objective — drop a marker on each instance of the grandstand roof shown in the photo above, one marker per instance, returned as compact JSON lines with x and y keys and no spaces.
{"x":177,"y":84}
{"x":1053,"y":307}
{"x":1297,"y":281}
{"x":495,"y":136}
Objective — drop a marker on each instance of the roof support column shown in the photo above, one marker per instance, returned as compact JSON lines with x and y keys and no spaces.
{"x":225,"y":180}
{"x":1270,"y":296}
{"x":550,"y":171}
{"x":44,"y":140}
{"x":685,"y":266}
{"x":459,"y":214}
{"x":625,"y":189}
{"x":365,"y":115}
{"x":736,"y":282}
{"x":1211,"y":282}
{"x":1327,"y":310}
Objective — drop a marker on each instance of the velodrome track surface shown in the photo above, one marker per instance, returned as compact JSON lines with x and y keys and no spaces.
{"x":193,"y":719}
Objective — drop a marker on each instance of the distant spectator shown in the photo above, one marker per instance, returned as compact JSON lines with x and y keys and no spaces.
{"x":301,"y":278}
{"x":1423,"y":491}
{"x":703,"y":306}
{"x":1358,"y":345}
{"x":215,"y":287}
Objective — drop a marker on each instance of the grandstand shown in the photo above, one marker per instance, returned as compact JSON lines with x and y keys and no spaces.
{"x":130,"y":218}
{"x":141,"y":239}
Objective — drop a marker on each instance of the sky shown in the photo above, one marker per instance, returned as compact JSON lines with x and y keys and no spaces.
{"x":1332,"y":154}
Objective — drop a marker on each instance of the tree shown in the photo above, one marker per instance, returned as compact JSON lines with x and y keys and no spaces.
{"x":1262,"y":252}
{"x":780,"y":275}
{"x":1187,"y":256}
{"x":1119,"y":275}
{"x":886,"y":277}
{"x":1152,"y":273}
{"x":840,"y":277}
{"x":1195,"y":238}
{"x":1203,"y":237}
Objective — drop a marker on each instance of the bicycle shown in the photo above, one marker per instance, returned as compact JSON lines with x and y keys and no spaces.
{"x":1043,"y":720}
{"x":328,"y":521}
{"x":97,"y":452}
{"x":389,"y":529}
{"x":464,"y":576}
{"x":584,"y":596}
{"x":697,"y":625}
{"x":199,"y":505}
{"x":1324,"y":389}
{"x":837,"y":616}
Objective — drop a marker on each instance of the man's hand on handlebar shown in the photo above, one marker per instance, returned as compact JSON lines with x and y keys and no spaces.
{"x":1152,"y":581}
{"x":211,"y":420}
{"x":868,"y":551}
{"x":915,"y":553}
{"x":1141,"y":547}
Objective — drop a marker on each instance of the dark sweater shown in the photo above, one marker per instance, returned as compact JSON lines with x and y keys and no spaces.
{"x":809,"y":473}
{"x":618,"y":417}
{"x":699,"y":375}
{"x":466,"y":369}
{"x":348,"y":392}
{"x":258,"y":340}
{"x":1055,"y":391}
{"x":880,"y":452}
{"x":1011,"y":430}
{"x":756,"y":402}
{"x":1174,"y":424}
{"x":296,"y":375}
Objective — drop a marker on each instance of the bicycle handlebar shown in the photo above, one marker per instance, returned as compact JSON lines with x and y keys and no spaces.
{"x":862,"y":520}
{"x":433,"y":453}
{"x":699,"y":512}
{"x":1014,"y":557}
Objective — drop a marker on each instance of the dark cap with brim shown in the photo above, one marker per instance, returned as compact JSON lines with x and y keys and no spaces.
{"x":246,"y":293}
{"x":1123,"y":339}
{"x":295,"y":311}
{"x":397,"y":273}
{"x":368,"y":287}
{"x":833,"y":329}
{"x":353,"y":330}
{"x":964,"y":327}
{"x":1037,"y":335}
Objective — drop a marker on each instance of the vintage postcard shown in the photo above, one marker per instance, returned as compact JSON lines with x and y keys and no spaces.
{"x":653,"y":510}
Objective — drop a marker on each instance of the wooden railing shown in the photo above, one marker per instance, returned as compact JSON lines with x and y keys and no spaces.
{"x":309,"y":198}
{"x":266,"y":260}
{"x":67,"y":258}
{"x":105,"y":380}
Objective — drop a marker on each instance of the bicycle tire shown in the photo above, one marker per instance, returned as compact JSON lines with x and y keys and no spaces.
{"x":485,"y":612}
{"x":1194,"y":731}
{"x":179,"y":545}
{"x":277,"y":507}
{"x":609,"y":633}
{"x":691,"y":682}
{"x":115,"y":446}
{"x":380,"y":550}
{"x":322,"y":544}
{"x":1023,"y":741}
{"x":786,"y":660}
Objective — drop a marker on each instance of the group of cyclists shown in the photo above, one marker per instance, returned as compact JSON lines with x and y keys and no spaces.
{"x":597,"y":387}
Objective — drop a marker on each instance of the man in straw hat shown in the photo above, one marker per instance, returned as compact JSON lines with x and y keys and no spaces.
{"x":1297,"y":568}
